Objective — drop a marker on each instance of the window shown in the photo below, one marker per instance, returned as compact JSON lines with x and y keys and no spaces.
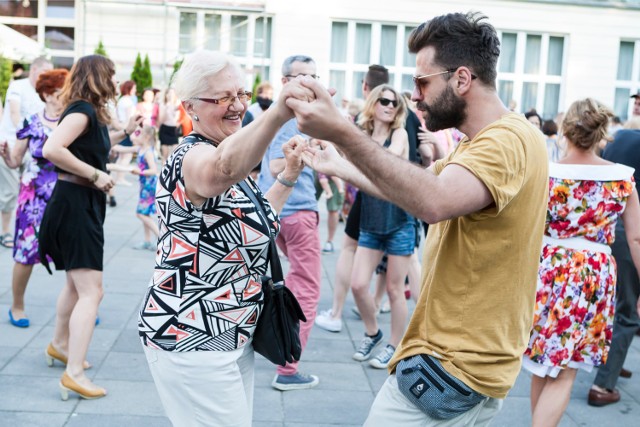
{"x":212,"y":29}
{"x":245,"y":36}
{"x":530,"y":70}
{"x":19,"y":9}
{"x":61,"y":9}
{"x":356,"y":45}
{"x":239,"y":35}
{"x":188,"y":31}
{"x":59,"y":38}
{"x":261,"y":41}
{"x":628,"y":77}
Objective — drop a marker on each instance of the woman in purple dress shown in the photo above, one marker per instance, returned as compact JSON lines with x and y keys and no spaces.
{"x":36,"y":186}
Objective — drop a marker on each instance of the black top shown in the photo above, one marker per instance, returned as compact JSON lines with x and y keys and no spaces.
{"x":625,"y":149}
{"x":92,"y":147}
{"x":412,"y":126}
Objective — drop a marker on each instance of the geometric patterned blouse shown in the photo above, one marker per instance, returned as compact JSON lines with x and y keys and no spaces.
{"x":205,"y":294}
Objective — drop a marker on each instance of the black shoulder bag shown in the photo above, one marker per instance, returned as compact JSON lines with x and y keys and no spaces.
{"x":277,"y":335}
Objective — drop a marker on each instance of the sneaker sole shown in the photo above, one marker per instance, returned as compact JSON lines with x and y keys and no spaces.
{"x":327,"y":328}
{"x":361,"y":357}
{"x":375,"y":363}
{"x":288,"y":387}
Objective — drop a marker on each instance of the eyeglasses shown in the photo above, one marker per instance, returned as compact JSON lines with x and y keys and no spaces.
{"x":386,"y":101}
{"x":227,"y":100}
{"x":291,"y":76}
{"x":416,"y":79}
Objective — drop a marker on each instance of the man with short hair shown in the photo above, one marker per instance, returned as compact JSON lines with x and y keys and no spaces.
{"x":299,"y":237}
{"x":487,"y":205}
{"x":624,"y":149}
{"x":636,"y":104}
{"x":21,"y":101}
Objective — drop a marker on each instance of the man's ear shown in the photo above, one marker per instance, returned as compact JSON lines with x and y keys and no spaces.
{"x":464,"y":77}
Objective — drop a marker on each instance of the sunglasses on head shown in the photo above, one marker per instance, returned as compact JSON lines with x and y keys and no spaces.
{"x":385,"y":101}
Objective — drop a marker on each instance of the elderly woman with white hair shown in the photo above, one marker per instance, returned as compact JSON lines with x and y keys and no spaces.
{"x":200,"y":311}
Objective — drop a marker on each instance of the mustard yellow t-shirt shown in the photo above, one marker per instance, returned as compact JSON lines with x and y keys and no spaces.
{"x":475,"y":307}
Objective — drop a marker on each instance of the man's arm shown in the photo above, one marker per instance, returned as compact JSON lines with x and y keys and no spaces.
{"x":14,"y":111}
{"x":432,"y":198}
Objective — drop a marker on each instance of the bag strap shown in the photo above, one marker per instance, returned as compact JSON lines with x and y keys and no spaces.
{"x":274,"y":259}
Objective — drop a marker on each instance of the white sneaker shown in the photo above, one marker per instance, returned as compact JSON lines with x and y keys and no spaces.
{"x":381,"y":360}
{"x":328,"y":248}
{"x":327,"y":322}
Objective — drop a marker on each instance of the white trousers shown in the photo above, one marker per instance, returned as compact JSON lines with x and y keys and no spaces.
{"x":205,"y":388}
{"x":392,"y":408}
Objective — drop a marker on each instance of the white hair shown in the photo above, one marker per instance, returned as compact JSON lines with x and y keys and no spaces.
{"x":192,"y":79}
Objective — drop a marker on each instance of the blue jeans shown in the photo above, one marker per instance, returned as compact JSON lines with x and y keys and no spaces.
{"x":400,"y":242}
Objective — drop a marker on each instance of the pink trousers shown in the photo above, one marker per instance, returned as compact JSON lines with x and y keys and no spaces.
{"x":299,"y":240}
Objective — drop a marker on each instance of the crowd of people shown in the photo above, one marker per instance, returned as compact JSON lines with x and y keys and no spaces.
{"x":532,"y":226}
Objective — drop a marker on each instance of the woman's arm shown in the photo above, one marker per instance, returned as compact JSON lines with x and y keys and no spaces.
{"x":209,"y":171}
{"x":279,"y":191}
{"x":631,"y":220}
{"x":120,"y":149}
{"x":114,"y":167}
{"x":57,"y":152}
{"x":151,"y":161}
{"x":13,"y":157}
{"x":400,"y":143}
{"x":117,"y":136}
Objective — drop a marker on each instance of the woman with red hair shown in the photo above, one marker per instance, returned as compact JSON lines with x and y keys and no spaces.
{"x":36,"y":186}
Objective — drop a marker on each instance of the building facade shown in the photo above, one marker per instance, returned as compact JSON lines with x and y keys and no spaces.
{"x":553,"y":52}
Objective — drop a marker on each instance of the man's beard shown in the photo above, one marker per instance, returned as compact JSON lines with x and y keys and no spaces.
{"x":447,"y":111}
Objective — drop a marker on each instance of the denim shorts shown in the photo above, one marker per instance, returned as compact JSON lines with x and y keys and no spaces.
{"x":400,"y":242}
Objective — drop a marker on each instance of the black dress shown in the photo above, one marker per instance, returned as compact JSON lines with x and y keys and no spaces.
{"x":71,"y":233}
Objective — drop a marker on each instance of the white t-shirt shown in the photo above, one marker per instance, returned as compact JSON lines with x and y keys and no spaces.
{"x":125,"y":108}
{"x":30,"y":104}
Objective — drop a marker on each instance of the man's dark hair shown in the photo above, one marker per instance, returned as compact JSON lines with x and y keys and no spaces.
{"x":460,"y":39}
{"x":549,"y":128}
{"x":376,"y":76}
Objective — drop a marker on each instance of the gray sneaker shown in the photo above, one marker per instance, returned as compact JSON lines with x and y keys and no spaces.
{"x":381,"y":360}
{"x":296,"y":381}
{"x":366,"y":346}
{"x":144,"y":246}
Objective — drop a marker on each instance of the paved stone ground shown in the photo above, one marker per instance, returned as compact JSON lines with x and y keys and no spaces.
{"x":29,"y":389}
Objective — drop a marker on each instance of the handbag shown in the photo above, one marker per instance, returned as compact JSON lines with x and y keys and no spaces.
{"x":277,"y":334}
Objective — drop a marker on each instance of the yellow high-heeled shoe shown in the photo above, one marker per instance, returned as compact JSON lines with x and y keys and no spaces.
{"x":67,"y":385}
{"x":52,"y":354}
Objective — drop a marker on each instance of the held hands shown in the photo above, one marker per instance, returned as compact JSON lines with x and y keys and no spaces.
{"x":317,"y":115}
{"x":295,"y":90}
{"x":136,"y":171}
{"x":104,"y":181}
{"x":293,"y":150}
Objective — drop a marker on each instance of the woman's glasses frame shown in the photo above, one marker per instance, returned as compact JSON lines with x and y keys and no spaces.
{"x":226,"y":100}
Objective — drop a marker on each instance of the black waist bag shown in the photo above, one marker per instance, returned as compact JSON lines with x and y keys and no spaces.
{"x":277,"y":334}
{"x":423,"y":381}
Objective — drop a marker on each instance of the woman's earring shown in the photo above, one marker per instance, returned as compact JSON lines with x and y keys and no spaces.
{"x":195,"y":117}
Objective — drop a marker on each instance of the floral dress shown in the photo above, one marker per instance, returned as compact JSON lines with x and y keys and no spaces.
{"x":36,"y":185}
{"x":147,"y":200}
{"x":575,"y":296}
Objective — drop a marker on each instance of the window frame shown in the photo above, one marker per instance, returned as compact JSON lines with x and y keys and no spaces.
{"x":632,"y":85}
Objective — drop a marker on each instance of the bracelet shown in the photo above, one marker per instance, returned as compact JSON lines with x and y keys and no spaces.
{"x":95,"y":176}
{"x":286,"y":182}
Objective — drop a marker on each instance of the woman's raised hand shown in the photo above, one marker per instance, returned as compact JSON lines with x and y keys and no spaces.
{"x":293,"y":150}
{"x":293,"y":89}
